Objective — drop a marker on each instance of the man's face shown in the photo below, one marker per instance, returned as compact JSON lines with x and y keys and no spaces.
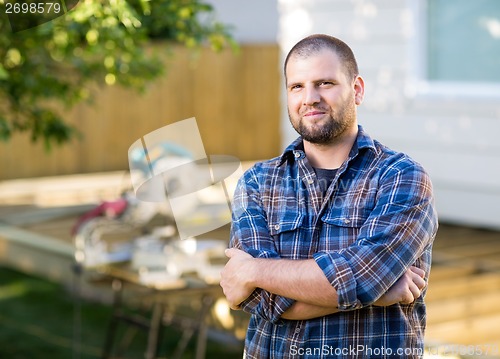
{"x":321,"y":99}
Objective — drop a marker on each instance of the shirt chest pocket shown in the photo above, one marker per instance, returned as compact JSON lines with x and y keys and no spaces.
{"x":287,"y":232}
{"x":341,"y":229}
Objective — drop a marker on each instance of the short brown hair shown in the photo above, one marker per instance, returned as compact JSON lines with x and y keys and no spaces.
{"x":315,"y":43}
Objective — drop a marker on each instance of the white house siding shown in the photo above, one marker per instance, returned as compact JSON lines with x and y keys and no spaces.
{"x":253,"y":21}
{"x":453,"y":136}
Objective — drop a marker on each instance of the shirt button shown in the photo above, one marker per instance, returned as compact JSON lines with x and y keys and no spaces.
{"x":296,"y":154}
{"x":277,"y":227}
{"x":310,"y":181}
{"x":347,"y":221}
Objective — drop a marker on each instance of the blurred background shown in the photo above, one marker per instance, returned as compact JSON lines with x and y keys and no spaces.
{"x":78,"y":90}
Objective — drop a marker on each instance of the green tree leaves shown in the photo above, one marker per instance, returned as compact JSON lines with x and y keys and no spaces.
{"x":98,"y":41}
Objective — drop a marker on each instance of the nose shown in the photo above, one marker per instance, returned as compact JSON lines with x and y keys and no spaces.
{"x":311,"y":96}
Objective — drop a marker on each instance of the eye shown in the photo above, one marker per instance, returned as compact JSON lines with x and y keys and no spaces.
{"x":326,"y":83}
{"x":295,"y":87}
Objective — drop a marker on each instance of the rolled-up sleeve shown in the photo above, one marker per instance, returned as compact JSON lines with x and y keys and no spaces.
{"x":397,"y":234}
{"x":250,"y":233}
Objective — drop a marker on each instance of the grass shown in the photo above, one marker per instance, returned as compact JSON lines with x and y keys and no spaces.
{"x":40,"y":319}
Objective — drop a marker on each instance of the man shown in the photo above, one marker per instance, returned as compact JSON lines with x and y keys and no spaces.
{"x":332,"y":240}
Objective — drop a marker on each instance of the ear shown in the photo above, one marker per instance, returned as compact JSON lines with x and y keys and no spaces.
{"x":359,"y":90}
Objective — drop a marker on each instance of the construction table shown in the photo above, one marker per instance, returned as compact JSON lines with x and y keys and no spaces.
{"x":158,"y":293}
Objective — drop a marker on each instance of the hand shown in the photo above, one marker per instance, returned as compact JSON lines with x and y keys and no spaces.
{"x":235,"y":277}
{"x":405,"y":290}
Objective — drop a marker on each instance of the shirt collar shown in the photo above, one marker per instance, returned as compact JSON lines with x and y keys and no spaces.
{"x":296,"y":148}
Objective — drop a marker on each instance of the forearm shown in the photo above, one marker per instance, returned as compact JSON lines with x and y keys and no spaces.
{"x":405,"y":290}
{"x":304,"y":311}
{"x":301,"y":285}
{"x":301,"y":280}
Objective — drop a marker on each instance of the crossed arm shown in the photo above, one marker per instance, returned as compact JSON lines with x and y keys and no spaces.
{"x":302,"y":281}
{"x":397,"y":234}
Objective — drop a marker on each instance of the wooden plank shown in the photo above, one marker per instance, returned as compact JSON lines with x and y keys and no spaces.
{"x":463,"y":307}
{"x":481,"y":264}
{"x":493,"y":259}
{"x":480,"y":329}
{"x":454,"y":236}
{"x":475,"y":250}
{"x":36,"y":241}
{"x":454,"y":270}
{"x":64,"y":190}
{"x":481,"y":350}
{"x":461,"y":286}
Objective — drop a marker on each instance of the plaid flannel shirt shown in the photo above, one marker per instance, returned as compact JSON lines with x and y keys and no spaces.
{"x":376,"y":219}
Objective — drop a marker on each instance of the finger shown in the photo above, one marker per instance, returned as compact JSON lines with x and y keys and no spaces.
{"x":418,"y":271}
{"x":415,"y":291}
{"x":230,"y":301}
{"x":419,"y":282}
{"x":229,"y":252}
{"x":407,"y":298}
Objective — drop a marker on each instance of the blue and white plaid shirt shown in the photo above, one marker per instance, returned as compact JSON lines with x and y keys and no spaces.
{"x":376,"y":219}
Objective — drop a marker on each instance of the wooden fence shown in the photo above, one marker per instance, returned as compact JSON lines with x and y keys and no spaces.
{"x":235,"y":98}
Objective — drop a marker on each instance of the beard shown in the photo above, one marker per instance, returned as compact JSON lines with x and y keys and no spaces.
{"x":327,"y":129}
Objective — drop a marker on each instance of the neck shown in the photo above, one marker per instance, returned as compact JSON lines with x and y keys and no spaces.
{"x":331,"y":155}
